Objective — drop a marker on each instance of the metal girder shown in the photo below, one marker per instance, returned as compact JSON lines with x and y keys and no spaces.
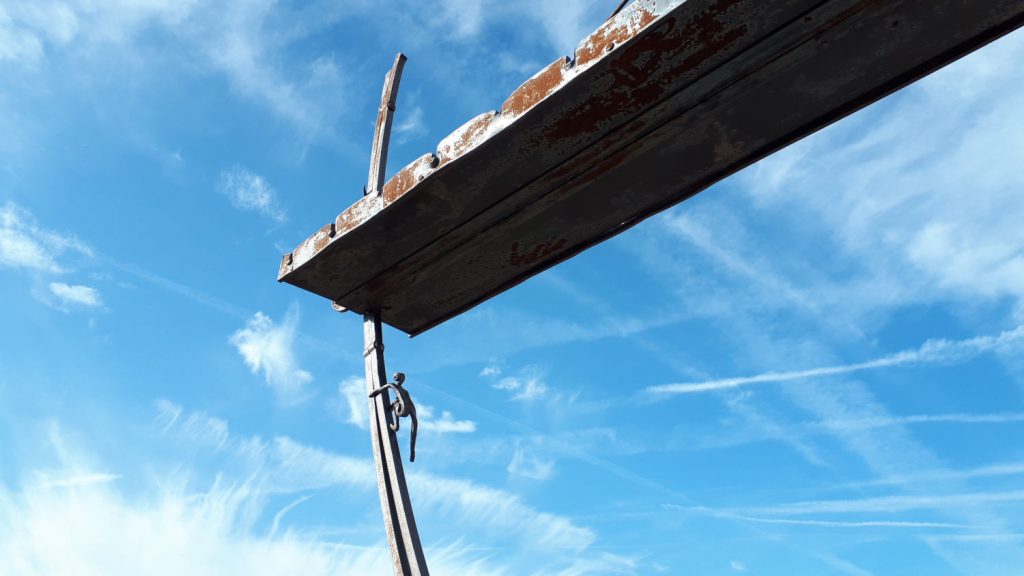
{"x":663,"y":100}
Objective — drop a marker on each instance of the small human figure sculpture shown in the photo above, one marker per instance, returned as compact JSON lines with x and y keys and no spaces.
{"x":401,"y":407}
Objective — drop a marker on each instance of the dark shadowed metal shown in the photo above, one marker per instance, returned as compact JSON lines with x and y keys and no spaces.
{"x":663,"y":100}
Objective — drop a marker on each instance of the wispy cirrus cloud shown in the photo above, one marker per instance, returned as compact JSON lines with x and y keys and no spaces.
{"x":173,"y":531}
{"x":446,"y":424}
{"x":887,"y":421}
{"x":284,"y":465}
{"x":526,"y":389}
{"x":853,"y":524}
{"x":355,"y":407}
{"x":31,"y":248}
{"x":931,"y":352}
{"x":527,"y":386}
{"x":268,"y":348}
{"x":888,"y":504}
{"x":25,"y":245}
{"x":411,"y":126}
{"x":528,"y":466}
{"x":198,"y":427}
{"x":74,"y":479}
{"x":251,"y":192}
{"x":76,"y":294}
{"x":923,"y":239}
{"x":798,"y":433}
{"x":247,"y":43}
{"x":940,"y":475}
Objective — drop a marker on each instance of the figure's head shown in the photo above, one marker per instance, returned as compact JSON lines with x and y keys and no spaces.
{"x":399,"y":378}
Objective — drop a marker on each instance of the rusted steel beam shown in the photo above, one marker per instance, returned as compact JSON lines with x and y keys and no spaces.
{"x":663,"y":100}
{"x":399,"y":522}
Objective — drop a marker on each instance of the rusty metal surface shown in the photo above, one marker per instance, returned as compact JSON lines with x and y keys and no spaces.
{"x":663,"y":100}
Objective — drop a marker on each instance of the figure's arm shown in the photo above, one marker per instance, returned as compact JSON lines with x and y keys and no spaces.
{"x":381,"y":389}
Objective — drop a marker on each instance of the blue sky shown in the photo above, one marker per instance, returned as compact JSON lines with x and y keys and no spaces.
{"x":812,"y":368}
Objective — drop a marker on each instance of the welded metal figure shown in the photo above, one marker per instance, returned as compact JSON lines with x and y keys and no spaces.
{"x":401,"y":407}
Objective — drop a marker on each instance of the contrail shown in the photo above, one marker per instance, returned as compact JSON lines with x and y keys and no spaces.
{"x":848,"y":524}
{"x":931,"y":352}
{"x":886,"y":504}
{"x":888,"y":421}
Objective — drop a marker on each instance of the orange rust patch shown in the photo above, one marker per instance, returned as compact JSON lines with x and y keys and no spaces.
{"x":700,"y":38}
{"x":613,"y":33}
{"x":465,"y":137}
{"x":345,"y":222}
{"x":535,"y":89}
{"x":398,"y":185}
{"x":323,"y":237}
{"x":407,"y":177}
{"x":355,"y":215}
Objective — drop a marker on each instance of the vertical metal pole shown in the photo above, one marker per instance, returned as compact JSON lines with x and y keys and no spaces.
{"x":399,"y":521}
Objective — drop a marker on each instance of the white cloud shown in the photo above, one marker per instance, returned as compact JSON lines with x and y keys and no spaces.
{"x":462,"y":18}
{"x":283,"y":465}
{"x":852,"y":524}
{"x":530,"y":467}
{"x":355,"y":402}
{"x":890,"y":504}
{"x":286,"y":466}
{"x":249,"y":191}
{"x":525,"y":388}
{"x":75,"y":479}
{"x":22,"y":251}
{"x":197,"y":427}
{"x":890,"y":421}
{"x":411,"y":126}
{"x":99,"y":530}
{"x":567,"y":22}
{"x":447,"y":424}
{"x":25,"y":245}
{"x":767,"y":428}
{"x":795,"y":433}
{"x":29,"y":29}
{"x":737,"y":566}
{"x":17,"y":44}
{"x":248,"y":42}
{"x":490,"y":371}
{"x":76,"y":294}
{"x":268,"y":348}
{"x":932,"y":351}
{"x":940,"y":475}
{"x":916,"y":209}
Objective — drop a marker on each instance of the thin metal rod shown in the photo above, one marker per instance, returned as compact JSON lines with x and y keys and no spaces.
{"x":399,"y":522}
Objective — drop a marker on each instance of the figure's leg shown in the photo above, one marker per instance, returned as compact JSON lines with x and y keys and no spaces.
{"x":396,"y":421}
{"x":412,"y":438}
